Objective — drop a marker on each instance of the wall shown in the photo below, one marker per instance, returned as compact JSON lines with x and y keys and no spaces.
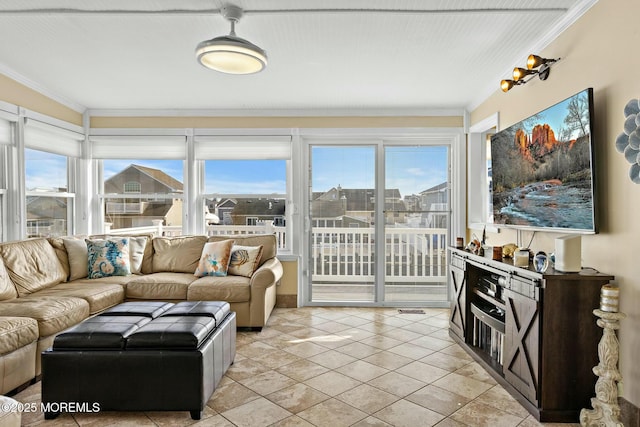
{"x":599,"y":51}
{"x":18,"y":94}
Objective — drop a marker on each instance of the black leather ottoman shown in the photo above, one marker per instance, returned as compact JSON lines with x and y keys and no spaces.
{"x":142,"y":358}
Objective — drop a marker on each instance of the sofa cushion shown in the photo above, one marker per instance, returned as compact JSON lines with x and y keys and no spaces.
{"x":177,"y":254}
{"x":78,"y":257}
{"x":215,"y":258}
{"x":7,"y":288}
{"x":109,"y":257}
{"x":100,"y":296}
{"x":229,"y":289}
{"x":53,"y":313}
{"x":160,"y":286}
{"x":16,"y":332}
{"x":32,"y":265}
{"x":61,"y":253}
{"x":244,"y":260}
{"x":268,"y":241}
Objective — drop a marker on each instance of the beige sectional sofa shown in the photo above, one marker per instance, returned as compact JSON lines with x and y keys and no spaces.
{"x":44,"y":289}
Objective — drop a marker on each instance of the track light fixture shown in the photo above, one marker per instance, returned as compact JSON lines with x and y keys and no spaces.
{"x":520,"y":73}
{"x":231,"y":54}
{"x":534,"y":61}
{"x":506,"y":85}
{"x":543,"y":66}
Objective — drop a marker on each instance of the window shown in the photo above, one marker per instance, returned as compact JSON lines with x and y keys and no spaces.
{"x":142,"y":181}
{"x":245,"y":184}
{"x":50,"y":157}
{"x":49,"y":203}
{"x":143,"y":194}
{"x":132,"y":187}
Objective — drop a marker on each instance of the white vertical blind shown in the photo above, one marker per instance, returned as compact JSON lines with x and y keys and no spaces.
{"x":152,"y":147}
{"x":268,"y":147}
{"x":52,"y":139}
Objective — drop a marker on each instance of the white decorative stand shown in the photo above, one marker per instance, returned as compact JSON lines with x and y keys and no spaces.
{"x":605,"y":412}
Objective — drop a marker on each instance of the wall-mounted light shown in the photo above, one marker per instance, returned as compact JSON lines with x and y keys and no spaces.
{"x":506,"y":85}
{"x":543,"y":66}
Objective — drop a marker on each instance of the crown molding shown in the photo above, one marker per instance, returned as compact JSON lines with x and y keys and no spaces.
{"x":14,"y":75}
{"x":340,"y":112}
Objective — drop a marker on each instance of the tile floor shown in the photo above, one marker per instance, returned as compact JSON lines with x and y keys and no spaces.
{"x":339,"y":367}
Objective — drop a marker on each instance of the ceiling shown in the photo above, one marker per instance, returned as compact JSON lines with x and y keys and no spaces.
{"x":325,"y":56}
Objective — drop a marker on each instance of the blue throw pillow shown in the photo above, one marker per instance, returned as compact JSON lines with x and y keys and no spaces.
{"x":108,"y":257}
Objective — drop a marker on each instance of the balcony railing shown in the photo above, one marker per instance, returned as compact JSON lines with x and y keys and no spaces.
{"x":411,"y":254}
{"x":348,"y":254}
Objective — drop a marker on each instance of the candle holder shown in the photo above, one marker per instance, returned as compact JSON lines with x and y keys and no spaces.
{"x":606,"y":411}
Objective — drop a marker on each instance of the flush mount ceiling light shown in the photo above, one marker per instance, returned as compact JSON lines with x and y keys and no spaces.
{"x":519,"y":74}
{"x":231,"y":54}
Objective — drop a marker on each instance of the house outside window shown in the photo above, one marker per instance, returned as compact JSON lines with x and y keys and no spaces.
{"x":151,"y":194}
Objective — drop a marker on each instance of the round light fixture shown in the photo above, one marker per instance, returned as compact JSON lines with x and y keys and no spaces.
{"x":231,"y":54}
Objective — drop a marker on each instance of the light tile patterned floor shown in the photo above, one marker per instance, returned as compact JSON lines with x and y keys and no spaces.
{"x":318,"y":366}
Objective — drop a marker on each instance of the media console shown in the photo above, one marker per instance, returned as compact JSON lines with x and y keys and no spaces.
{"x":535,"y":333}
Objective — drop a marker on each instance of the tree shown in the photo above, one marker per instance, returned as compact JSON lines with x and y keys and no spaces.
{"x":577,"y":117}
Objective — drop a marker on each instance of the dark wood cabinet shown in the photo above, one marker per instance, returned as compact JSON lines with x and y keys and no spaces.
{"x":535,"y":333}
{"x":458,"y":280}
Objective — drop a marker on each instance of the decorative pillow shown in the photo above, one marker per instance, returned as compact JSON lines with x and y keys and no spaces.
{"x":215,"y":258}
{"x":108,"y":257}
{"x":137,"y":247}
{"x":77,"y":253}
{"x":244,"y":260}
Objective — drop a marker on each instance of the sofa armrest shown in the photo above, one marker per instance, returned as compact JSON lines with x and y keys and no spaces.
{"x":268,"y":274}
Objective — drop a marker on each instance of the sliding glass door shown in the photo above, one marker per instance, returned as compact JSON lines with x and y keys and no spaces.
{"x":379,"y":217}
{"x":416,"y":223}
{"x":342,"y":217}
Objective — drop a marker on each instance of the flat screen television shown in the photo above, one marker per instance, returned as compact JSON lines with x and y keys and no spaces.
{"x":542,"y":173}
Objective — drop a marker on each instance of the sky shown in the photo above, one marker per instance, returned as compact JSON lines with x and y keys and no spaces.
{"x":554,"y":115}
{"x":410,"y":169}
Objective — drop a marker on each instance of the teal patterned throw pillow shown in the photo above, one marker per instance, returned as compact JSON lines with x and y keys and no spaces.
{"x":108,"y":257}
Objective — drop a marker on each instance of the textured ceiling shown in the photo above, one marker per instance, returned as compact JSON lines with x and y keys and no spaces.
{"x":397,"y":55}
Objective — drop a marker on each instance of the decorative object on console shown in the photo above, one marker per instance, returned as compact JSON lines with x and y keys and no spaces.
{"x":628,"y":142}
{"x":533,"y":62}
{"x":568,"y":253}
{"x":521,"y":258}
{"x":541,"y":262}
{"x":606,"y":411}
{"x":509,"y":250}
